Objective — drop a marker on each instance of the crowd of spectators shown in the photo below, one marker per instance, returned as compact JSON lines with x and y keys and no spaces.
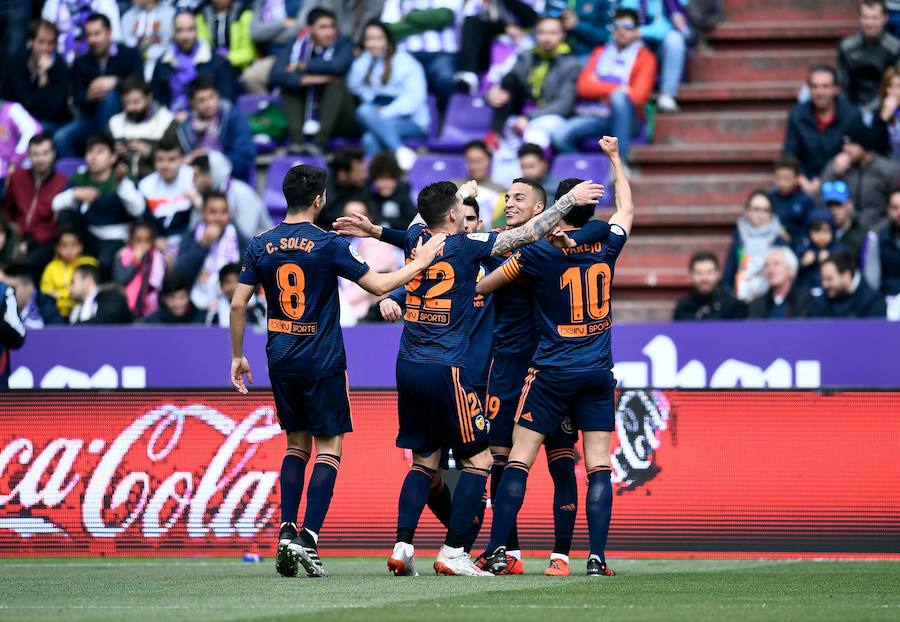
{"x":825,"y":240}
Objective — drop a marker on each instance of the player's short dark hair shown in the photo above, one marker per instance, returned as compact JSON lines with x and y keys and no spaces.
{"x":211,"y":195}
{"x":532,"y":149}
{"x":302,"y":184}
{"x":319,"y":13}
{"x":874,"y":3}
{"x":99,"y":17}
{"x":201,"y":163}
{"x":39,"y":139}
{"x":22,"y":271}
{"x":842,"y":262}
{"x":169,"y":142}
{"x":100,"y":139}
{"x":228,"y":270}
{"x":788,"y":160}
{"x":701,"y":256}
{"x":35,"y":25}
{"x":68,"y":230}
{"x":358,"y":197}
{"x":471,"y":202}
{"x":435,"y":201}
{"x":629,"y":13}
{"x":822,"y":68}
{"x":203,"y":83}
{"x":480,"y":145}
{"x":385,"y":164}
{"x":579,"y":215}
{"x":174,"y":282}
{"x":88,"y":271}
{"x":134,"y":83}
{"x":343,"y":159}
{"x":538,"y":189}
{"x":142,"y":224}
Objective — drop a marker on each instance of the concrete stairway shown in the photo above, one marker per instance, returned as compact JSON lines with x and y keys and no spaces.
{"x":691,"y":183}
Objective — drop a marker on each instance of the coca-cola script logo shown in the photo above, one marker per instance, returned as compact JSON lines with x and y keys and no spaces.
{"x":99,"y":487}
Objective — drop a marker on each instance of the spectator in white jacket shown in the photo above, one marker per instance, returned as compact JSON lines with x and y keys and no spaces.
{"x":148,"y":26}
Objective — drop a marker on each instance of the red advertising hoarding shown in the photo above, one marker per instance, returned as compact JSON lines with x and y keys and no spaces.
{"x":700,"y":473}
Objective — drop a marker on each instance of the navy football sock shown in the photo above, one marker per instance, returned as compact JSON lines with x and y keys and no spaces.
{"x":512,"y":542}
{"x":476,"y":524}
{"x":466,"y":500}
{"x":413,"y":497}
{"x":293,"y":468}
{"x":565,"y":497}
{"x":439,"y":501}
{"x":507,"y":503}
{"x":321,"y":488}
{"x":599,"y":508}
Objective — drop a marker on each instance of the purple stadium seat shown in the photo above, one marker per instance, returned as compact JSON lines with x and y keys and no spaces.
{"x":435,"y":167}
{"x":250,"y":103}
{"x":582,"y":165}
{"x":69,"y":166}
{"x":273,"y":197}
{"x":415,"y":143}
{"x":468,"y":118}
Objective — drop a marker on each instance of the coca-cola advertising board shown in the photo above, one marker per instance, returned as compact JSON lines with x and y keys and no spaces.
{"x":698,"y":473}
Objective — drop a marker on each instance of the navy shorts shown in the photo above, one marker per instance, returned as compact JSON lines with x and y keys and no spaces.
{"x":507,"y":376}
{"x":553,"y":394}
{"x":319,"y":407}
{"x":438,"y":408}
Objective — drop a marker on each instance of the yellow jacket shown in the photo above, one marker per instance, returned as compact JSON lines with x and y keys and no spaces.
{"x":241,"y":51}
{"x":57,"y":279}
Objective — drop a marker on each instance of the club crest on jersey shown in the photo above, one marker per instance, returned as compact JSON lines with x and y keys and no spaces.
{"x":640,"y":420}
{"x":618,"y":230}
{"x":356,"y":255}
{"x":480,"y":422}
{"x":567,"y":426}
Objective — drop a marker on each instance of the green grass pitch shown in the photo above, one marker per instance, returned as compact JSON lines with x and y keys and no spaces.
{"x":359,"y":589}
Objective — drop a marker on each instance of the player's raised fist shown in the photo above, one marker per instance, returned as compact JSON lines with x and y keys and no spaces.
{"x":356,"y":225}
{"x":609,"y":145}
{"x":586,"y":193}
{"x":469,"y":189}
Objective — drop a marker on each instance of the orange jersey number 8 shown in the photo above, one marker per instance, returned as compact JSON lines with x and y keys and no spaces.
{"x":291,"y":281}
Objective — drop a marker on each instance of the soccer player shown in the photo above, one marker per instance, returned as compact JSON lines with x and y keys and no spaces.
{"x":515,"y":340}
{"x":436,"y":402}
{"x":571,"y":371}
{"x":298,"y":265}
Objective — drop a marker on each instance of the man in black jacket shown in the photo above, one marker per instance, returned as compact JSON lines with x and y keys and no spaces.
{"x":96,"y":304}
{"x":38,"y":78}
{"x":815,"y":130}
{"x":847,"y":295}
{"x":864,"y":56}
{"x":95,"y":78}
{"x":707,"y":301}
{"x":310,"y":73}
{"x":785,"y":299}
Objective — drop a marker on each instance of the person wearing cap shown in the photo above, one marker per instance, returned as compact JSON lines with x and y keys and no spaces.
{"x":847,"y":230}
{"x":818,"y":246}
{"x":870,"y":177}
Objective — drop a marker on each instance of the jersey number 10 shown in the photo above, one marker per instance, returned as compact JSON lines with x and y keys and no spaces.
{"x":597,"y":280}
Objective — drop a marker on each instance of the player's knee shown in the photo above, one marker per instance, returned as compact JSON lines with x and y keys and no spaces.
{"x":298,"y":440}
{"x":482,"y":460}
{"x":330,"y":444}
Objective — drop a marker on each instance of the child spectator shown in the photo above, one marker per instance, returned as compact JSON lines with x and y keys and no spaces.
{"x":18,"y":128}
{"x":792,"y":204}
{"x":97,"y":304}
{"x":225,"y":26}
{"x":57,"y":277}
{"x":757,"y":231}
{"x":393,"y":206}
{"x":818,"y":246}
{"x":186,"y":60}
{"x":219,"y":313}
{"x":248,"y":213}
{"x":140,"y":268}
{"x":391,"y":86}
{"x":214,"y":124}
{"x":538,"y":93}
{"x":311,"y":74}
{"x":102,"y":198}
{"x":147,"y":27}
{"x":614,"y":87}
{"x":27,"y":203}
{"x":38,"y":78}
{"x":36,"y":309}
{"x":168,"y":193}
{"x":213,"y":243}
{"x":140,"y":126}
{"x":176,"y":304}
{"x":71,"y":17}
{"x":864,"y":56}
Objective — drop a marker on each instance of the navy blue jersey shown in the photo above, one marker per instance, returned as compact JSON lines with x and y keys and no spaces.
{"x":439,"y":301}
{"x":481,"y":342}
{"x":572,"y":299}
{"x":298,"y":266}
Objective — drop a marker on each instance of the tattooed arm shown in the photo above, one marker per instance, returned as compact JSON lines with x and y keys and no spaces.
{"x":585,"y":193}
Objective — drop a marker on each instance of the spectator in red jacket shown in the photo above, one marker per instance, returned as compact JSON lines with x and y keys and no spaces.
{"x":612,"y":89}
{"x":27,"y":203}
